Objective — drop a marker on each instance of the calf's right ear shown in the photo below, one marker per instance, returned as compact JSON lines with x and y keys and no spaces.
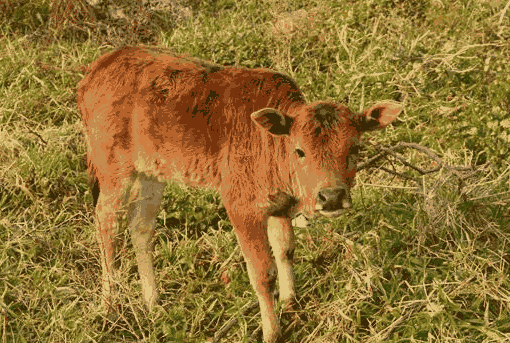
{"x":272,"y":121}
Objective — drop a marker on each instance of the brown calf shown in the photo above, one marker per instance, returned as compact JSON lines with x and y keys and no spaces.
{"x":152,"y":116}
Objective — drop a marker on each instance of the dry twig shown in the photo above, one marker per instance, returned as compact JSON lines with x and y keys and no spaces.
{"x":233,"y":321}
{"x":392,"y":154}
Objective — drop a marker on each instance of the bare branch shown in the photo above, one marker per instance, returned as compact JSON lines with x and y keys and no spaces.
{"x":392,"y":154}
{"x":233,"y":321}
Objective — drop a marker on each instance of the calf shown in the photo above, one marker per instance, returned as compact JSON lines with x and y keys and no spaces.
{"x":151,"y":116}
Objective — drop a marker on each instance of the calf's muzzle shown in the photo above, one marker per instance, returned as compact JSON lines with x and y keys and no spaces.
{"x":331,"y":201}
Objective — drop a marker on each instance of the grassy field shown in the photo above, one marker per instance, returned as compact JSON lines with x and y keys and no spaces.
{"x":406,"y":264}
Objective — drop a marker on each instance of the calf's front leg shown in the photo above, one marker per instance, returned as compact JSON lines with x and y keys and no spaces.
{"x":252,"y":237}
{"x":281,"y":238}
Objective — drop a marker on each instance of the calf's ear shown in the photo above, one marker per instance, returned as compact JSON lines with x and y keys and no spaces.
{"x":378,"y":116}
{"x":272,"y":121}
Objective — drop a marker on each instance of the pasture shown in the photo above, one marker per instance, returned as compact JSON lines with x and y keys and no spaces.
{"x":424,"y":261}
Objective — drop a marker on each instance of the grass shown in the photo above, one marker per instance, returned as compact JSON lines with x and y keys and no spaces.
{"x":404,"y":265}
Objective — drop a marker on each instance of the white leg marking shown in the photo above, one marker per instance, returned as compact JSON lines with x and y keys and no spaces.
{"x":281,"y":238}
{"x":142,"y":220}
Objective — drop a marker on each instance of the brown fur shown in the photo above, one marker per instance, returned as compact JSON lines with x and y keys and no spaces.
{"x":151,"y":116}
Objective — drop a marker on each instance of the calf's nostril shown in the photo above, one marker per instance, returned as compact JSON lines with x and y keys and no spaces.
{"x":322,"y":198}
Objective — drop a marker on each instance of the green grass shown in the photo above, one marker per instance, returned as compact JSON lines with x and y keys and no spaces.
{"x":404,"y":265}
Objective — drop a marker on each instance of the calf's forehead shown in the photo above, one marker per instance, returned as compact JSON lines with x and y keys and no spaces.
{"x":326,"y":130}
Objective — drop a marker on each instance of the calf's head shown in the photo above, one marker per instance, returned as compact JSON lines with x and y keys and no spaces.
{"x":323,"y":140}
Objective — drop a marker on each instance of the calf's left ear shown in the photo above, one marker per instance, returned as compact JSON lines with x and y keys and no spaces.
{"x":378,"y":116}
{"x":272,"y":121}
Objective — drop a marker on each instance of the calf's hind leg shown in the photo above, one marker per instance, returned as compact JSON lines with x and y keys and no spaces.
{"x":140,"y":196}
{"x":107,"y":222}
{"x":143,"y":208}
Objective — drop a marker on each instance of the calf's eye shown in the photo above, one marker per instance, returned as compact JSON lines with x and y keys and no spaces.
{"x":300,"y":153}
